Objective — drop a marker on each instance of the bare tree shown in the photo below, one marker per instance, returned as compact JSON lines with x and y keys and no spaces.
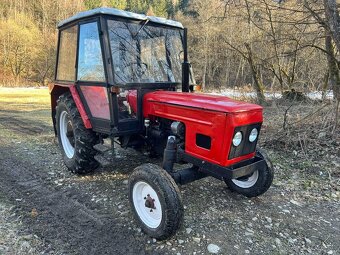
{"x":329,"y":19}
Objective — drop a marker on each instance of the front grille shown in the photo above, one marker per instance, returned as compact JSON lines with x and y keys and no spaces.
{"x":245,"y":147}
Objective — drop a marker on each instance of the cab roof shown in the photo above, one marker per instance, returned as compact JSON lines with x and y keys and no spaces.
{"x":120,"y":13}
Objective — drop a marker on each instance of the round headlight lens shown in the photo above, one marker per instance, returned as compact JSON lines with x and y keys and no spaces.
{"x":237,"y":139}
{"x":253,"y":135}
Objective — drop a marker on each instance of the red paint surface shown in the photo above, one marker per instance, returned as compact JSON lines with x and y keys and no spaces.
{"x":214,"y":116}
{"x":56,"y":91}
{"x":202,"y":101}
{"x":132,"y":100}
{"x":97,"y":100}
{"x":80,"y":106}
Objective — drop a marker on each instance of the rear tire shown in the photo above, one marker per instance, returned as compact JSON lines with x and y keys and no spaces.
{"x":255,"y":184}
{"x":75,"y":141}
{"x":155,"y":201}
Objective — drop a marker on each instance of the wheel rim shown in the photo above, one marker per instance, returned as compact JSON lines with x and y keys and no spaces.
{"x":66,"y":134}
{"x":247,"y":182}
{"x":147,"y":205}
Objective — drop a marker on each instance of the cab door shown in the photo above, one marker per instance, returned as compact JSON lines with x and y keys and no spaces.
{"x":91,"y":76}
{"x":125,"y":99}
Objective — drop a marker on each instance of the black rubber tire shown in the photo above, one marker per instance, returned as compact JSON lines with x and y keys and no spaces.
{"x":83,"y":161}
{"x":169,"y":196}
{"x":264,"y":181}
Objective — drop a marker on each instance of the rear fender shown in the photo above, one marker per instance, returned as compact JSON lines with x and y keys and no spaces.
{"x":56,"y":91}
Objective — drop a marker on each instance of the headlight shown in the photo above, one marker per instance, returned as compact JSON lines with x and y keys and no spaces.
{"x":237,"y":139}
{"x":253,"y":135}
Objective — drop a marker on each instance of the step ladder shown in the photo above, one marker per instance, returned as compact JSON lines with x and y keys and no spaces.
{"x":105,"y":153}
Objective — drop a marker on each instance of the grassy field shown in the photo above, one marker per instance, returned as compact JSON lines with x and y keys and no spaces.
{"x":25,"y":107}
{"x":24,"y":99}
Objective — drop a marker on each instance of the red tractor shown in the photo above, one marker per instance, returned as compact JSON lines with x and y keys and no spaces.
{"x":125,"y":78}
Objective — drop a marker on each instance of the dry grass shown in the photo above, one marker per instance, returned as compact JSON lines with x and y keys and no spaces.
{"x":296,"y":125}
{"x":303,"y":134}
{"x":24,"y":99}
{"x":25,"y":105}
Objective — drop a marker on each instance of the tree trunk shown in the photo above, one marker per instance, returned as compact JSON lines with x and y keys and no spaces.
{"x":334,"y":76}
{"x":333,"y":27}
{"x":336,"y":121}
{"x":333,"y":22}
{"x":205,"y":67}
{"x":257,"y":84}
{"x":325,"y":84}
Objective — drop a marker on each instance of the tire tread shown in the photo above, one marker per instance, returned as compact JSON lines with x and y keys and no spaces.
{"x":83,"y":161}
{"x":159,"y":178}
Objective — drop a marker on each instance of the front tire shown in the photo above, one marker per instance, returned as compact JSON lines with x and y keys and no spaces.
{"x":75,"y":141}
{"x":155,"y":201}
{"x":255,"y":184}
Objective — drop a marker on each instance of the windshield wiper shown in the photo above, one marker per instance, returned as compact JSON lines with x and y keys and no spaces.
{"x":141,"y":28}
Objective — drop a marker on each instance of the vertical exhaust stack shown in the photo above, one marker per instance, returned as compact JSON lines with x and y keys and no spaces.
{"x":185,"y":64}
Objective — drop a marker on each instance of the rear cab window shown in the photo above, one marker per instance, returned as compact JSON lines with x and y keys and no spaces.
{"x":67,"y":54}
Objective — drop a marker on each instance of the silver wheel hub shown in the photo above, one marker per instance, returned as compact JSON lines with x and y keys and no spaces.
{"x":247,"y":182}
{"x":147,"y":205}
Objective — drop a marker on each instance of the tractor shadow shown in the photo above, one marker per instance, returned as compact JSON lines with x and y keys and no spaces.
{"x":124,"y":161}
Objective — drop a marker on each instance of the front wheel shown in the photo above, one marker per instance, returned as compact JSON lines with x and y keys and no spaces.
{"x":155,"y":201}
{"x":256,"y":183}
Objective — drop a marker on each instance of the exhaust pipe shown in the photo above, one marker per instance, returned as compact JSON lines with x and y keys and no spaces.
{"x":185,"y":64}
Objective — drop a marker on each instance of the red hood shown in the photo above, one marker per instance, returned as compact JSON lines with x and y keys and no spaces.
{"x":202,"y":101}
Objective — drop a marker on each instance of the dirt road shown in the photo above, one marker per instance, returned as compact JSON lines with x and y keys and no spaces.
{"x":56,"y":212}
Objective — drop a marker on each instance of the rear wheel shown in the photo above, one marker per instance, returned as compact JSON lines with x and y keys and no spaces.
{"x":256,"y":183}
{"x":155,"y":201}
{"x":75,"y":141}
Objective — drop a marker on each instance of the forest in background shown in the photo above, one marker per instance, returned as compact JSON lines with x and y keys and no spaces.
{"x":269,"y":45}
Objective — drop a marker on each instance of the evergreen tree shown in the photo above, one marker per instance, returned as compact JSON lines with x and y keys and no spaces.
{"x":139,"y":6}
{"x":159,"y":7}
{"x":119,"y":4}
{"x":183,"y":5}
{"x":150,"y":11}
{"x":91,"y":4}
{"x":172,"y":8}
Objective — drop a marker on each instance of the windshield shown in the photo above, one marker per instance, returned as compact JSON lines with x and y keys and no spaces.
{"x":150,"y":54}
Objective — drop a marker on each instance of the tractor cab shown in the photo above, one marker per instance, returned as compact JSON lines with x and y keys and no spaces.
{"x":114,"y":57}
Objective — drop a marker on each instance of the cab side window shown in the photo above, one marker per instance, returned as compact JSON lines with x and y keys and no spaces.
{"x":67,"y":54}
{"x":90,"y":59}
